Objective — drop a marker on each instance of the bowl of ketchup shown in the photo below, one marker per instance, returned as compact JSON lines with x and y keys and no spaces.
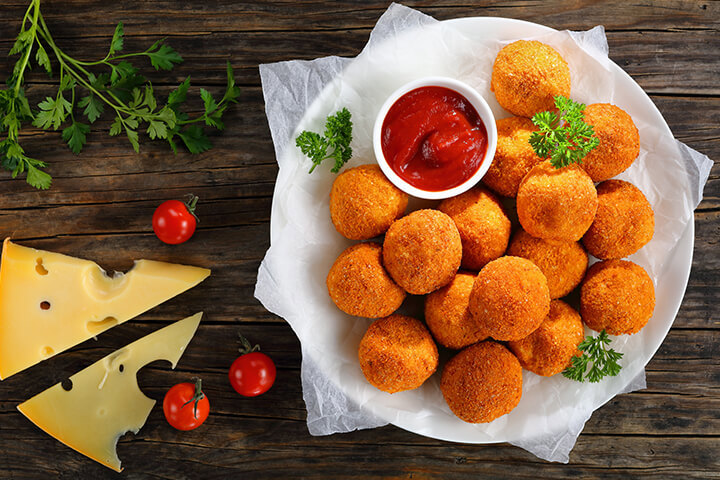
{"x":435,"y":137}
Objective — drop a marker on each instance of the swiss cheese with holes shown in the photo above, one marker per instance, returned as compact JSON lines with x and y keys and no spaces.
{"x":50,"y":302}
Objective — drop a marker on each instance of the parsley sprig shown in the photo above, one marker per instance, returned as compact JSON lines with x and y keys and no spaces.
{"x":337,"y":138}
{"x":83,"y":91}
{"x":563,"y":135}
{"x":601,"y":360}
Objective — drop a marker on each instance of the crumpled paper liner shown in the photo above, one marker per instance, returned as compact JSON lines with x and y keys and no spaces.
{"x":404,"y":45}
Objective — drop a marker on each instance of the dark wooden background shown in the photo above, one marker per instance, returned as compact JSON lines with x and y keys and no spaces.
{"x":101,"y":204}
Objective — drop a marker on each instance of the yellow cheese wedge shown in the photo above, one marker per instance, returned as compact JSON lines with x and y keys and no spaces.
{"x":104,"y":401}
{"x":50,"y":302}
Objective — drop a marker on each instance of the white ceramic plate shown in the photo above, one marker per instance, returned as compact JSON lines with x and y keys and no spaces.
{"x":331,"y":337}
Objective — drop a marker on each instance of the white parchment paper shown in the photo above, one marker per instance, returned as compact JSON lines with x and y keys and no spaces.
{"x":404,"y":45}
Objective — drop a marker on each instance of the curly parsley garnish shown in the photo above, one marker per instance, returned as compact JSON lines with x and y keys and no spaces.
{"x":85,"y":91}
{"x":563,"y":136}
{"x":602,"y":361}
{"x":337,"y":138}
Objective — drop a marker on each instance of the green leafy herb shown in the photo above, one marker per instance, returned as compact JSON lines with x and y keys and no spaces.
{"x":336,"y":140}
{"x":563,"y":136}
{"x":601,"y":360}
{"x":120,"y":88}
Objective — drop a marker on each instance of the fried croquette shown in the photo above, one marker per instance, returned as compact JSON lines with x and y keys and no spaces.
{"x":364,"y":203}
{"x":447,"y":315}
{"x":619,"y":141}
{"x":556,"y":204}
{"x":549,"y":349}
{"x":624,"y":222}
{"x":514,"y":156}
{"x":483,"y":225}
{"x":397,"y":353}
{"x":526,"y":77}
{"x":617,"y":296}
{"x":422,"y":251}
{"x":482,"y":382}
{"x":510,"y":298}
{"x":563,"y":263}
{"x":360,"y":286}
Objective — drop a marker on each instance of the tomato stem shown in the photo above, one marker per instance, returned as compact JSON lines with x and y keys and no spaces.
{"x":191,"y":204}
{"x":199,"y":395}
{"x":247,"y":347}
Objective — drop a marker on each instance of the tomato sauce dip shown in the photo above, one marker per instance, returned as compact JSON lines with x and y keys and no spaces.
{"x":433,"y":138}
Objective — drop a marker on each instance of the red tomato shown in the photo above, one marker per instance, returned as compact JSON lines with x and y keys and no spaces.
{"x":186,"y":406}
{"x":252,"y":374}
{"x":174,"y":221}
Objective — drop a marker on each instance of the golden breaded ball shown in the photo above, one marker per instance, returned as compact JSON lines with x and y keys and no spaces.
{"x":617,"y":296}
{"x":397,"y":353}
{"x":422,"y":251}
{"x":447,"y":315}
{"x":526,"y":77}
{"x":563,"y":263}
{"x":483,"y":225}
{"x":624,"y":222}
{"x":619,"y":141}
{"x":514,"y":156}
{"x":549,"y":349}
{"x":482,"y":382}
{"x":364,"y":203}
{"x":510,"y":298}
{"x":360,"y":286}
{"x":557,"y":204}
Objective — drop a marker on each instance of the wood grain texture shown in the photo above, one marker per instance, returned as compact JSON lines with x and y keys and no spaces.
{"x":101,"y":203}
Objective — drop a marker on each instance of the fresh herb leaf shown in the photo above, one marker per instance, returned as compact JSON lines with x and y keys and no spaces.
{"x":53,"y":112}
{"x":601,"y":360}
{"x":157,"y":130}
{"x":195,"y":139}
{"x":337,"y":136}
{"x":116,"y":44}
{"x":42,"y":59}
{"x":74,"y":135}
{"x":179,"y":95}
{"x":93,"y":107}
{"x":563,"y":136}
{"x":164,"y":58}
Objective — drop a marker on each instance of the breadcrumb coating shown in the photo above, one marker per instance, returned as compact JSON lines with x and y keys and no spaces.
{"x":617,"y":296}
{"x":624,"y":222}
{"x":364,"y":203}
{"x":360,"y":286}
{"x":422,"y":251}
{"x":549,"y":349}
{"x":510,"y":298}
{"x":483,"y":225}
{"x":526,"y":77}
{"x":397,"y":353}
{"x":482,"y":382}
{"x":619,"y":141}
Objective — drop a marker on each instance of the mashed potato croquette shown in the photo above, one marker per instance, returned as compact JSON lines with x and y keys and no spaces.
{"x":557,"y":204}
{"x":563,"y":263}
{"x":619,"y":141}
{"x":360,"y":286}
{"x":549,"y":349}
{"x":624,"y":222}
{"x":447,"y":315}
{"x":483,"y":225}
{"x":510,"y":298}
{"x":526,"y":77}
{"x":422,"y":251}
{"x":514,"y":156}
{"x":364,"y":203}
{"x":397,"y":353}
{"x":617,"y":296}
{"x":482,"y":382}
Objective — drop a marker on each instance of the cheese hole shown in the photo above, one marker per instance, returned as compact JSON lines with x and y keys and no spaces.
{"x":40,"y":268}
{"x":45,"y":305}
{"x":121,"y":368}
{"x":48,"y":352}
{"x":100,"y":326}
{"x":67,"y":384}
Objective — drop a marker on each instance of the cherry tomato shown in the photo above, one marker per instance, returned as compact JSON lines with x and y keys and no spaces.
{"x":174,"y":221}
{"x":186,"y":406}
{"x":252,"y":374}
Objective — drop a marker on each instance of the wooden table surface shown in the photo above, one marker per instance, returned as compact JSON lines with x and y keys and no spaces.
{"x":101,"y":203}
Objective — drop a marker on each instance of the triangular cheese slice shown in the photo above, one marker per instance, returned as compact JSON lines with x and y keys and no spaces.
{"x":104,"y":401}
{"x":50,"y":302}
